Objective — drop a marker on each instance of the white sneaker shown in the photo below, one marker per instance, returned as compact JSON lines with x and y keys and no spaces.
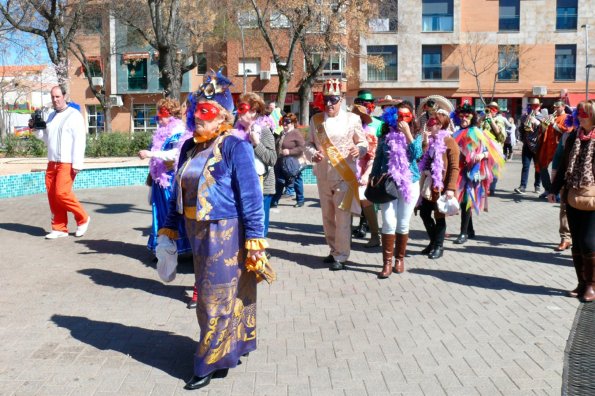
{"x":80,"y":231}
{"x":56,"y":234}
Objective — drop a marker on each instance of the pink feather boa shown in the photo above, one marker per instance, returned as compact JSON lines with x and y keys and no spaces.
{"x":157,"y":167}
{"x":398,"y":164}
{"x":438,"y":147}
{"x":263,"y":121}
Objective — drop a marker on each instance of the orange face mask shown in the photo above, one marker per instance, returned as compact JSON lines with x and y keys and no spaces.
{"x":405,"y":115}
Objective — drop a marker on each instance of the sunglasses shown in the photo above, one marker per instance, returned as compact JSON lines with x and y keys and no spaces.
{"x":206,"y":111}
{"x":286,"y":121}
{"x":243,"y":108}
{"x":333,"y":99}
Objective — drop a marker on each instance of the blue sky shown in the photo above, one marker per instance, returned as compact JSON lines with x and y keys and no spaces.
{"x":23,"y":49}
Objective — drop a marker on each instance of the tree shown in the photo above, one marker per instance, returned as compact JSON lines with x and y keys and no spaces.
{"x":485,"y":60}
{"x":54,"y":21}
{"x":175,"y":28}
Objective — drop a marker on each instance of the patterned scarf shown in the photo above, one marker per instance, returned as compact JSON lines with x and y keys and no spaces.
{"x":580,"y":164}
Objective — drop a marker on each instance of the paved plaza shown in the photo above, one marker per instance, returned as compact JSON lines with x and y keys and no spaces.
{"x":89,"y":316}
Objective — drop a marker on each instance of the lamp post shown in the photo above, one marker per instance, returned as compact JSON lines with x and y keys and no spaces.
{"x":587,"y":65}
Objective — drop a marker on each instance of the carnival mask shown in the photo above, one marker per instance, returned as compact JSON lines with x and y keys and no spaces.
{"x":243,"y":108}
{"x":405,"y":115}
{"x":163,"y":112}
{"x":431,"y":122}
{"x":582,"y":113}
{"x":206,"y":111}
{"x":332,"y":99}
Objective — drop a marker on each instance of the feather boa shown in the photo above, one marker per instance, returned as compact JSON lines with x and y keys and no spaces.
{"x":241,"y":132}
{"x":173,"y":132}
{"x":438,"y":147}
{"x":398,"y":164}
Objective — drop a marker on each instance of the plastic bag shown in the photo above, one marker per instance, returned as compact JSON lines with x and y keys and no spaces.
{"x":167,"y":258}
{"x":448,"y":206}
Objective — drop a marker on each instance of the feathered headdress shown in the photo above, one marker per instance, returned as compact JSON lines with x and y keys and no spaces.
{"x":216,"y":88}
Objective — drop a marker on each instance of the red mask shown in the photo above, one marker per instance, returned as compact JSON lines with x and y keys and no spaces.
{"x":405,"y":115}
{"x":206,"y":111}
{"x":243,"y":108}
{"x":493,"y":111}
{"x":582,"y":113}
{"x":370,"y":107}
{"x":163,"y":113}
{"x":535,"y":107}
{"x":431,"y":122}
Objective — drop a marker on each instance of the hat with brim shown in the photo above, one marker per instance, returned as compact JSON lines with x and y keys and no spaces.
{"x":388,"y":101}
{"x":493,"y":105}
{"x":362,"y":113}
{"x":366,"y":95}
{"x":534,"y":101}
{"x":440,"y":102}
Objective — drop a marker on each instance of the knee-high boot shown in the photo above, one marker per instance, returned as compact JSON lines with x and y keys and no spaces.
{"x":400,"y":249}
{"x":388,"y":248}
{"x":372,"y":219}
{"x":589,"y":273}
{"x":438,"y":248}
{"x":430,"y":226}
{"x":577,"y":261}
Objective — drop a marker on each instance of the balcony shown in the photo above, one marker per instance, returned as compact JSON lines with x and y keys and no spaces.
{"x":137,"y":82}
{"x":440,"y":73}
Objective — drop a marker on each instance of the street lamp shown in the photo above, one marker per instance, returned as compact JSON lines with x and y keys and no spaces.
{"x":587,"y":65}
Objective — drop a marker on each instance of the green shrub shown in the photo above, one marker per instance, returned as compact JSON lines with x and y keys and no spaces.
{"x":24,"y":147}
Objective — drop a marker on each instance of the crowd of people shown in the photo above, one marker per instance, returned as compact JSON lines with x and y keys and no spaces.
{"x":217,"y":169}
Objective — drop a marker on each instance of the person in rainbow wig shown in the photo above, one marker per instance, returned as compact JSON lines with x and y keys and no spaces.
{"x":480,"y":161}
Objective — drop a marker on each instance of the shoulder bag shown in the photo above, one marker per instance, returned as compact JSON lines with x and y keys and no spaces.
{"x":381,"y":189}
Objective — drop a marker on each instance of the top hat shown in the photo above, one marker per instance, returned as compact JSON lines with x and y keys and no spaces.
{"x":331,"y":87}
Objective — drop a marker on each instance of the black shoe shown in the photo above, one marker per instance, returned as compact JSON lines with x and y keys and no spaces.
{"x":471,"y":235}
{"x":191,"y":304}
{"x":274,"y":205}
{"x":461,"y":239}
{"x":336,"y":266}
{"x":359,"y":232}
{"x":298,"y":205}
{"x":198,"y":382}
{"x":268,"y":255}
{"x":328,"y":259}
{"x":436,"y":253}
{"x":427,"y":249}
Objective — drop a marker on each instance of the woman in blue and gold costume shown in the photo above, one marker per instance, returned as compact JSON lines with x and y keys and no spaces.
{"x":218,"y":193}
{"x":164,"y":154}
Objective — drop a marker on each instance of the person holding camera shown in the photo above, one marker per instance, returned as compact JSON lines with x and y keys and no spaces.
{"x":65,"y":136}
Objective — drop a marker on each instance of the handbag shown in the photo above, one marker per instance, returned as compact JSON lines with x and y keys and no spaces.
{"x":167,"y":258}
{"x":290,"y":167}
{"x":582,"y":198}
{"x":448,"y":206}
{"x":381,"y":189}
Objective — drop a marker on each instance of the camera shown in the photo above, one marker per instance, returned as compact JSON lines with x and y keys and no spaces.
{"x":37,"y":120}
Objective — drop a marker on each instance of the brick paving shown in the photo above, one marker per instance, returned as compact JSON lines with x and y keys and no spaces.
{"x":89,"y":316}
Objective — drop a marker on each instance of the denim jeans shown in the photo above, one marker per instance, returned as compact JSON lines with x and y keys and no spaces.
{"x":267,"y":209}
{"x":527,"y":156}
{"x":281,"y":183}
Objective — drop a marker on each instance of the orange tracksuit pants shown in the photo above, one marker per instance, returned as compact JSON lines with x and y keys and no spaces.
{"x":58,"y":182}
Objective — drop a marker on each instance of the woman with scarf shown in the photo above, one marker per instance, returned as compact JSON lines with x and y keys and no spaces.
{"x":217,"y":192}
{"x":480,"y":161}
{"x":440,"y":169}
{"x":164,"y":153}
{"x":256,"y":127}
{"x":399,"y":149}
{"x":576,"y":173}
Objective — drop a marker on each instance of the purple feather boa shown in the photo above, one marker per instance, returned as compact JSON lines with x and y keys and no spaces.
{"x":263,"y":121}
{"x":435,"y":144}
{"x":157,"y":167}
{"x":398,"y":164}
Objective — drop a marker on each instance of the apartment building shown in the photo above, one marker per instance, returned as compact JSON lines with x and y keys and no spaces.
{"x":527,"y":48}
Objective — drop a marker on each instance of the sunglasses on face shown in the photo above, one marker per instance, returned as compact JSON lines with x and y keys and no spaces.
{"x":333,"y":100}
{"x":243,"y":108}
{"x":286,"y":121}
{"x":206,"y":111}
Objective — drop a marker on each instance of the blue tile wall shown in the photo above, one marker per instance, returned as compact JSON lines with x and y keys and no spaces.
{"x":12,"y":186}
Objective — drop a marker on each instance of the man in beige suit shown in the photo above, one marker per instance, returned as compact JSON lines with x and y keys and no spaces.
{"x":335,"y":142}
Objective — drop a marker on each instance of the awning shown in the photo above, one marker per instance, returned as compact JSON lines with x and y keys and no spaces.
{"x":575,"y":98}
{"x":135,"y":55}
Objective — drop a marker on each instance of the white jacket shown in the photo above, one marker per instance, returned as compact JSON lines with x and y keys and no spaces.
{"x":65,"y":137}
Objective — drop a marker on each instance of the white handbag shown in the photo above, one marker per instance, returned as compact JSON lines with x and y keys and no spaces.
{"x":448,"y":206}
{"x":167,"y":258}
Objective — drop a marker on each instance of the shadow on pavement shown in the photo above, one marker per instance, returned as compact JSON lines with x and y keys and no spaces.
{"x":487,"y":282}
{"x":501,"y":250}
{"x":23,"y":229}
{"x":104,"y":246}
{"x":116,"y":208}
{"x":307,"y":260}
{"x":146,"y":231}
{"x":122,"y":281}
{"x":306,"y":238}
{"x":165,"y":351}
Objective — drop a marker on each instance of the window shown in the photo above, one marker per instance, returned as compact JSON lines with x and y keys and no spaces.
{"x":247,"y":19}
{"x":565,"y":68}
{"x":252,"y":67}
{"x":510,"y":11}
{"x":389,"y":54}
{"x":508,"y":63}
{"x":94,"y":67}
{"x":91,"y":23}
{"x":437,"y":16}
{"x":388,"y":23}
{"x":566,"y":14}
{"x":137,"y":73}
{"x":144,"y":117}
{"x":273,"y":66}
{"x":431,"y":58}
{"x":201,"y":67}
{"x":279,"y":20}
{"x":95,"y":119}
{"x":502,"y":104}
{"x":335,"y":66}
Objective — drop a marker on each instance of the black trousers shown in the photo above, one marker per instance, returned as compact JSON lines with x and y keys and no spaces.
{"x":466,"y":219}
{"x":435,"y":226}
{"x":582,"y":229}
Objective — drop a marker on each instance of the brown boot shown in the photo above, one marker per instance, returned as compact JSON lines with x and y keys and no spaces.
{"x":400,"y":248}
{"x":589,"y":273}
{"x":372,"y":219}
{"x":388,"y":246}
{"x":577,"y":261}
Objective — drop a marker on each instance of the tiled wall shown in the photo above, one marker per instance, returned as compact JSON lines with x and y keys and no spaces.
{"x":34,"y":183}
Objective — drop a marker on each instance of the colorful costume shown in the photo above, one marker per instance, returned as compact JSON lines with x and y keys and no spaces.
{"x":165,"y":152}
